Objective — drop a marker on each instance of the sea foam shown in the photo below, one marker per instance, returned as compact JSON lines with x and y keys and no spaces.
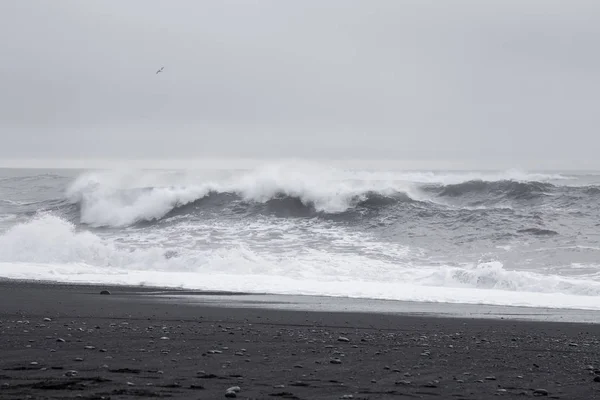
{"x":50,"y":248}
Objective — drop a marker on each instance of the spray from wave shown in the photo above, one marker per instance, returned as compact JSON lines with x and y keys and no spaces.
{"x":118,"y":200}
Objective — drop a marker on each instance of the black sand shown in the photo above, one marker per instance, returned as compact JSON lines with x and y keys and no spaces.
{"x":59,"y":341}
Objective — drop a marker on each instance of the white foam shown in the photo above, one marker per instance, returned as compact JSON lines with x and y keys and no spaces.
{"x":50,"y":248}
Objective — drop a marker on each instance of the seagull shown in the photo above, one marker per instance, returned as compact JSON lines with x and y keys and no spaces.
{"x":160,"y":70}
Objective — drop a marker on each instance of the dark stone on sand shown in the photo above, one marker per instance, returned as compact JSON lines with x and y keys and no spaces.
{"x":490,"y":378}
{"x":173,"y":385}
{"x":597,"y":378}
{"x":343,"y":339}
{"x":207,"y":376}
{"x":125,"y":371}
{"x":232,"y":392}
{"x":285,"y":395}
{"x":105,"y":292}
{"x":540,"y":392}
{"x":60,"y":340}
{"x":335,"y":361}
{"x":403,"y":382}
{"x":299,"y":384}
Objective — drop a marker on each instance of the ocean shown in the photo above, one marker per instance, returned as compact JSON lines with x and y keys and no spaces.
{"x":511,"y":238}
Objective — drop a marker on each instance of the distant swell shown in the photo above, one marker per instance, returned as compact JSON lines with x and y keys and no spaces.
{"x":538,"y":232}
{"x":505,"y":189}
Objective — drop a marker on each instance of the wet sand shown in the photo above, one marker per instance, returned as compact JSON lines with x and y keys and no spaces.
{"x":63,"y":341}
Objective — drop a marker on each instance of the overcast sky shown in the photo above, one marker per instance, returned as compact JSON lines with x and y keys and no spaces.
{"x":509,"y":82}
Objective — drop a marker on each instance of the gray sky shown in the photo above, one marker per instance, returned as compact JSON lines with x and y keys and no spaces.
{"x":512,"y":83}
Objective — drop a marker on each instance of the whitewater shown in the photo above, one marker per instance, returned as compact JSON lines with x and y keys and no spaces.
{"x":512,"y":238}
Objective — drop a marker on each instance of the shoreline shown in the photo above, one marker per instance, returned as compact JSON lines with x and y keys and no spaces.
{"x":314,"y":303}
{"x":68,"y":341}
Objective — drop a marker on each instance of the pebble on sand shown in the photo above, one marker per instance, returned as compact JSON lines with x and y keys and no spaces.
{"x":540,"y":392}
{"x":104,"y":292}
{"x":232,"y":391}
{"x":343,"y":339}
{"x":47,"y":319}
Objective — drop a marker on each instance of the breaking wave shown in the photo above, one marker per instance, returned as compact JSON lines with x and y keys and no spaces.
{"x":122,"y":199}
{"x":108,"y":201}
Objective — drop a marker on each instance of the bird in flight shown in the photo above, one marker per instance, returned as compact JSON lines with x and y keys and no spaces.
{"x":160,"y":70}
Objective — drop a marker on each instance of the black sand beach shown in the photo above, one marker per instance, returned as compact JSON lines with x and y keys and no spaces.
{"x":60,"y":341}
